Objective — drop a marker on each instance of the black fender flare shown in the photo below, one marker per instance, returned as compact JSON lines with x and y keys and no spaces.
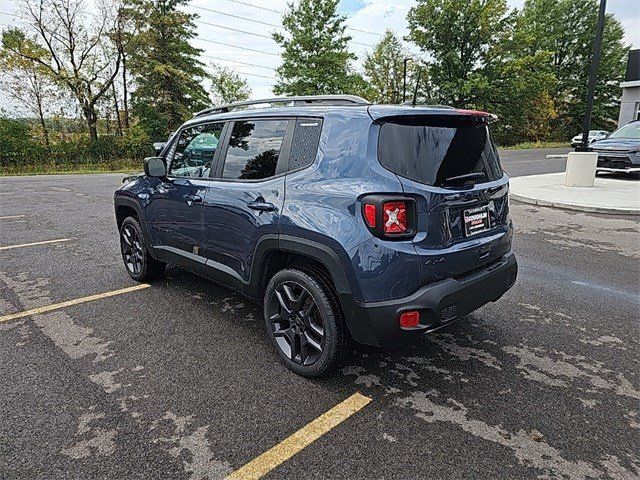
{"x":268,"y":244}
{"x":120,"y":201}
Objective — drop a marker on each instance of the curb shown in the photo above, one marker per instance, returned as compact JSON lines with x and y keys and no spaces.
{"x":574,"y":207}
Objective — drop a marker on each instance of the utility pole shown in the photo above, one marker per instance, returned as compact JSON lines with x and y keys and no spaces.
{"x":404,"y":80}
{"x":595,"y":62}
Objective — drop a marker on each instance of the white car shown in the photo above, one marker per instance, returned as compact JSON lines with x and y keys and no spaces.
{"x":594,"y":135}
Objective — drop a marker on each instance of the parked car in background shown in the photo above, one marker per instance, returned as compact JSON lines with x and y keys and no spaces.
{"x":159,"y":146}
{"x":346,"y":220}
{"x":594,"y":136}
{"x":620,"y":151}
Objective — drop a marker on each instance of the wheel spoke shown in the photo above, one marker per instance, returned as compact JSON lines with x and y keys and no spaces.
{"x":312,"y":342}
{"x":295,"y":347}
{"x":316,"y":328}
{"x":304,"y":349}
{"x":275,"y":318}
{"x":302,"y":298}
{"x":126,"y":236}
{"x":289,"y":292}
{"x":283,"y":303}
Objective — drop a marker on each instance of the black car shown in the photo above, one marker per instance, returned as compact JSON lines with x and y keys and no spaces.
{"x":620,"y":152}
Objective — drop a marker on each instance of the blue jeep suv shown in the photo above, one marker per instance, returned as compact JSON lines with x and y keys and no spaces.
{"x":346,"y":220}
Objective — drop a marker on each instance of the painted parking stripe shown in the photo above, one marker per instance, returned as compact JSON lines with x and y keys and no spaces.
{"x":308,"y":434}
{"x":33,"y":244}
{"x":70,"y":303}
{"x":12,"y":217}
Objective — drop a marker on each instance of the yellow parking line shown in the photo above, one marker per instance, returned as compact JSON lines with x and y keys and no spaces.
{"x":69,"y":303}
{"x":44,"y":242}
{"x":308,"y":434}
{"x":12,"y":217}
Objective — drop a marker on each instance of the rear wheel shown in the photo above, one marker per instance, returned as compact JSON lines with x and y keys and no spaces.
{"x":303,"y":323}
{"x":140,"y":265}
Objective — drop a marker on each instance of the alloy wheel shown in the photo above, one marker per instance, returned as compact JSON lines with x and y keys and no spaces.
{"x":296,"y":323}
{"x":132,"y":250}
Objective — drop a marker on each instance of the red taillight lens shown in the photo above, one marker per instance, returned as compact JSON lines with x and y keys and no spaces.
{"x":370,"y":215}
{"x":394,"y":217}
{"x":410,"y":318}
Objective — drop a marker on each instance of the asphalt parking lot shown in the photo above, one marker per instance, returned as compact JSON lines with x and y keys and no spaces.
{"x":178,"y":381}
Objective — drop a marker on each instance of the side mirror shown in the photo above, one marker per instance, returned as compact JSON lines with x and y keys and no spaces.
{"x":155,"y":167}
{"x":158,"y":146}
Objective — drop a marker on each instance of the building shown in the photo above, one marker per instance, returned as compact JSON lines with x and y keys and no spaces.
{"x":630,"y":103}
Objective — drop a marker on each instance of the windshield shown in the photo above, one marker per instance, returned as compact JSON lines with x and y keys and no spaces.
{"x":630,"y":130}
{"x":433,"y":153}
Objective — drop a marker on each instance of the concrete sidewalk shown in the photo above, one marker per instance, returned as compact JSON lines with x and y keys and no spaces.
{"x":609,"y":195}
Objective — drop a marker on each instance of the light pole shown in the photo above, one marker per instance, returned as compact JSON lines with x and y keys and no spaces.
{"x":404,"y":80}
{"x":586,"y":124}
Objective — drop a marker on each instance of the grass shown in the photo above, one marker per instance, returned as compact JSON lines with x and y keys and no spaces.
{"x":119,"y":166}
{"x":528,"y":145}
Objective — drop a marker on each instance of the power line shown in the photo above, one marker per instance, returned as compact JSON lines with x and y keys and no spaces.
{"x":235,"y":30}
{"x":237,"y":61}
{"x":281,"y":12}
{"x":258,"y":34}
{"x":237,"y":16}
{"x":238,"y":46}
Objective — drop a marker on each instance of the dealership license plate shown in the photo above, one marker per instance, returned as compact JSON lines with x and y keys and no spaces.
{"x":476,"y":220}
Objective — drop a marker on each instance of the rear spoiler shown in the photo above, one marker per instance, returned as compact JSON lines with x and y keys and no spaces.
{"x":391,"y":113}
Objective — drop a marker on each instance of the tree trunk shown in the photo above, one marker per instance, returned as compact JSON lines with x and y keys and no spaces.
{"x":115,"y":103}
{"x":43,"y":124}
{"x":125,"y":101}
{"x":91,"y":119}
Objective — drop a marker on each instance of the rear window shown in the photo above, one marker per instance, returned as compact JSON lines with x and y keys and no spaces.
{"x":433,"y":153}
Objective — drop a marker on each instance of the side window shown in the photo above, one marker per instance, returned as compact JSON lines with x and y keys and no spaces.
{"x":305,"y":142}
{"x":195,"y":149}
{"x":254,"y":149}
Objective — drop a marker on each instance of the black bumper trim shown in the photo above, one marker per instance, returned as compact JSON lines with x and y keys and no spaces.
{"x":440,"y":303}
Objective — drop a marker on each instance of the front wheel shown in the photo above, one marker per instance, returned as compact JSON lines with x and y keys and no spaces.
{"x":304,"y":323}
{"x":140,"y":265}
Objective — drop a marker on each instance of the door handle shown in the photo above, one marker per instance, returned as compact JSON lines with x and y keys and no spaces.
{"x":191,"y":199}
{"x":262,"y":206}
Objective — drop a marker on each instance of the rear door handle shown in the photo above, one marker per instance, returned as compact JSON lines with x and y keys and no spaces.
{"x":191,"y":199}
{"x":262,"y":206}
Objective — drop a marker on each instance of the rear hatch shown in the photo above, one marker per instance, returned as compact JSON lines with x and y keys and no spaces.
{"x":446,"y":160}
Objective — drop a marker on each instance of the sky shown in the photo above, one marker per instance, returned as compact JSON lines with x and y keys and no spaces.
{"x":236,"y":33}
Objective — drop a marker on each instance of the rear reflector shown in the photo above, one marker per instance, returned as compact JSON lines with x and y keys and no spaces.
{"x":394,"y":217}
{"x":370,"y":215}
{"x":410,"y":318}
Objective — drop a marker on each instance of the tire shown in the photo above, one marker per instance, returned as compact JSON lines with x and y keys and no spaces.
{"x":139,"y":263}
{"x":296,"y":337}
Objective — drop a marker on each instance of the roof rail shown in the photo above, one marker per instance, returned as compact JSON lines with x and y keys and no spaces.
{"x":295,"y":101}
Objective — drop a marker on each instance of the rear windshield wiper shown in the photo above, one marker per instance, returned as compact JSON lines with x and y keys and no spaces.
{"x":470,"y":178}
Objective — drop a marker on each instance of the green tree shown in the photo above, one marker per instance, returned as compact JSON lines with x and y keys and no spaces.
{"x":566,"y":30}
{"x":228,"y":86}
{"x":165,"y":66}
{"x":459,"y":36}
{"x":315,"y":59}
{"x":384,"y":69}
{"x":79,"y":55}
{"x":476,"y":62}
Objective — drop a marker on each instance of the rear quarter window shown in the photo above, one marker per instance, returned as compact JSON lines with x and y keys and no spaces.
{"x":431,"y":153}
{"x":304,"y":145}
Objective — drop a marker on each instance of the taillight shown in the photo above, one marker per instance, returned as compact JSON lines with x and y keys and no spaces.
{"x":390,"y":217}
{"x":394,"y":217}
{"x":370,"y":211}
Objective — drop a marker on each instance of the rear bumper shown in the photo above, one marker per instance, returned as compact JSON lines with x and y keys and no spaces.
{"x":440,"y":303}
